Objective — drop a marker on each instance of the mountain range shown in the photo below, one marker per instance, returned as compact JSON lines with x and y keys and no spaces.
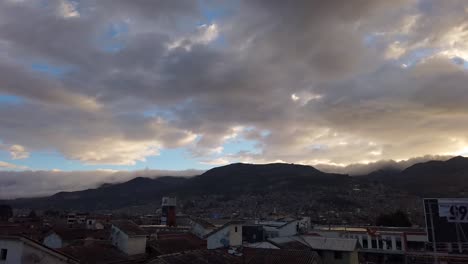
{"x":433,"y":178}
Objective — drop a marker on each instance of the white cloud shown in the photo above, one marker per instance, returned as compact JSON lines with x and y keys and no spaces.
{"x":10,"y":166}
{"x":395,"y":51}
{"x":205,"y":34}
{"x":15,"y":184}
{"x":315,"y":74}
{"x":68,"y":9}
{"x":18,"y":152}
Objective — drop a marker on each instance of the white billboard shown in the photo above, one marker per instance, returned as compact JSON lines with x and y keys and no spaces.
{"x":456,"y":210}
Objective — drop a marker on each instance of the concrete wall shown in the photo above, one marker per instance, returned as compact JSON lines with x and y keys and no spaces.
{"x":136,"y":245}
{"x":119,"y":239}
{"x":226,"y":236}
{"x":23,"y":253}
{"x":235,"y":235}
{"x":15,"y":251}
{"x":126,"y":244}
{"x":219,"y":239}
{"x":347,"y":257}
{"x":53,"y":241}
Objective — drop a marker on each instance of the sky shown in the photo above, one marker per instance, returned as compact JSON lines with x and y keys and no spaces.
{"x":115,"y":85}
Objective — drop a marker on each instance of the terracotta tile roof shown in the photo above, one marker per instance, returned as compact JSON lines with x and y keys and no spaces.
{"x":70,"y":234}
{"x":21,"y":230}
{"x":176,"y":242}
{"x":96,"y":252}
{"x":250,"y":256}
{"x":198,"y":257}
{"x":129,"y":228}
{"x":294,"y":245}
{"x":280,"y":256}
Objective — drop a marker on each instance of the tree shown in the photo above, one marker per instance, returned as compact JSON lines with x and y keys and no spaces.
{"x":5,"y":212}
{"x":396,"y":219}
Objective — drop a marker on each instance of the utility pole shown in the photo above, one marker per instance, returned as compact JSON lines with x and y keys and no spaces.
{"x":436,"y":261}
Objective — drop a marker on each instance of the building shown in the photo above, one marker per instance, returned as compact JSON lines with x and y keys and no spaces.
{"x":128,"y":237}
{"x":330,"y":250}
{"x":168,"y":210}
{"x":334,"y":250}
{"x":94,"y":224}
{"x":380,"y":244}
{"x":246,"y":256}
{"x":228,"y":235}
{"x":285,"y":227}
{"x":280,"y":256}
{"x":62,"y":237}
{"x":18,"y":249}
{"x":170,"y":243}
{"x":197,"y":256}
{"x":100,"y":252}
{"x":200,"y":227}
{"x":253,"y":233}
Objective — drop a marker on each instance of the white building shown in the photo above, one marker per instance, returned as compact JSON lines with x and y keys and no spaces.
{"x":379,"y":239}
{"x":200,"y":227}
{"x":62,"y":237}
{"x":93,"y":224}
{"x":22,"y":250}
{"x":228,"y":235}
{"x":128,"y":237}
{"x":290,"y":227}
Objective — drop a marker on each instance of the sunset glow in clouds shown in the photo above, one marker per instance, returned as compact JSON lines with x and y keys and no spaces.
{"x":125,"y":85}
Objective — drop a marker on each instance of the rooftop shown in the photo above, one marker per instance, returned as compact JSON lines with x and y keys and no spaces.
{"x":96,"y":252}
{"x":233,"y":222}
{"x":326,"y":243}
{"x":176,"y":242}
{"x":129,"y":228}
{"x":38,"y":245}
{"x":69,"y":234}
{"x":280,"y":256}
{"x":198,"y":256}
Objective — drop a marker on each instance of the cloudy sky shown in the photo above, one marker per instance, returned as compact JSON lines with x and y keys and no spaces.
{"x":91,"y":85}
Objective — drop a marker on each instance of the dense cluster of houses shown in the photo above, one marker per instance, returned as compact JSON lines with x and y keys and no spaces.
{"x":103,"y":239}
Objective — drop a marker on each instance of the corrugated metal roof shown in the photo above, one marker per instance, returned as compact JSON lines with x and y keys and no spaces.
{"x":261,"y":245}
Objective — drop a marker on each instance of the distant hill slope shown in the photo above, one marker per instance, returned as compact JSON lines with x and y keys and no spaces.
{"x":233,"y":179}
{"x":243,"y":178}
{"x":108,"y":196}
{"x":433,"y":178}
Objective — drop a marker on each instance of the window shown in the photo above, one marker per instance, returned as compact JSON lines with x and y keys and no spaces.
{"x":374,"y":243}
{"x":235,"y":229}
{"x":398,"y":244}
{"x":365,"y":244}
{"x":338,"y":255}
{"x":3,"y":254}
